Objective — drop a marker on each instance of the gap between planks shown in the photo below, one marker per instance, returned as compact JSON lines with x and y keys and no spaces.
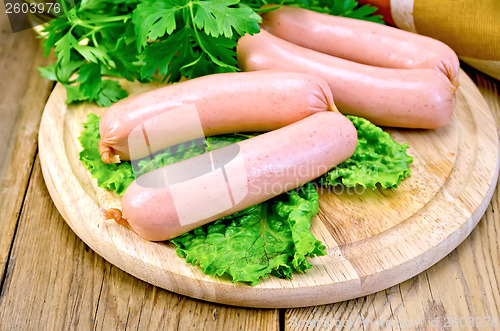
{"x":54,"y":280}
{"x":464,"y":284}
{"x":23,"y":94}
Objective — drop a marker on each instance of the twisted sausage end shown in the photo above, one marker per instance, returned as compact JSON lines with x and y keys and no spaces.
{"x":115,"y":214}
{"x":107,"y":153}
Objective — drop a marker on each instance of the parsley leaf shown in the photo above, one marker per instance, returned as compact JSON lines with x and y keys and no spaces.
{"x":220,"y":18}
{"x":63,"y":48}
{"x":111,"y":92}
{"x":49,"y":71}
{"x":154,"y":19}
{"x":73,"y":94}
{"x":90,"y":73}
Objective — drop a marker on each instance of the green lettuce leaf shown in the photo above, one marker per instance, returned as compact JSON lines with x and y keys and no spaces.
{"x":113,"y":177}
{"x":273,"y":237}
{"x":117,"y":177}
{"x":187,"y":150}
{"x":378,"y":160}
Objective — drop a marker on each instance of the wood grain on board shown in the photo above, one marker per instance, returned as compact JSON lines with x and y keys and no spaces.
{"x":49,"y":278}
{"x":374,"y":240}
{"x":23,"y":94}
{"x":56,"y":282}
{"x":462,"y":286}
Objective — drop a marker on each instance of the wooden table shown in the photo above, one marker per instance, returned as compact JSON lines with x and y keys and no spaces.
{"x":49,"y":278}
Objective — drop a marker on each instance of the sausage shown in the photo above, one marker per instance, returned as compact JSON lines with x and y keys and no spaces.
{"x":245,"y":173}
{"x":361,"y":41}
{"x":206,"y":106}
{"x":410,"y":98}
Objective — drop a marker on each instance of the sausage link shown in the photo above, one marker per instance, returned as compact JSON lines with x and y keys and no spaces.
{"x":361,"y":41}
{"x":221,"y":104}
{"x":177,"y":198}
{"x":410,"y":98}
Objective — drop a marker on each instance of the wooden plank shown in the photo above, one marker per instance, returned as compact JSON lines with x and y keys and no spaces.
{"x":23,"y":94}
{"x":54,"y":280}
{"x":465,"y":284}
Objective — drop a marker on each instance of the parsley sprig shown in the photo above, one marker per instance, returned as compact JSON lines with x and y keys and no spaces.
{"x":92,"y":43}
{"x":345,"y":8}
{"x":192,"y":37}
{"x":145,"y":40}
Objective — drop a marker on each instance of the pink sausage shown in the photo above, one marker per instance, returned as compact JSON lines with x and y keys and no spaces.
{"x":361,"y":41}
{"x":223,"y":103}
{"x":411,"y":98}
{"x":259,"y":169}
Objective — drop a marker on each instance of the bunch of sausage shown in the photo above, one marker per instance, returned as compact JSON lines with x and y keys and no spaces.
{"x":297,"y":71}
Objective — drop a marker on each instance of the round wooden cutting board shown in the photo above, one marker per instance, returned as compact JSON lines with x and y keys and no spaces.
{"x":374,"y":239}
